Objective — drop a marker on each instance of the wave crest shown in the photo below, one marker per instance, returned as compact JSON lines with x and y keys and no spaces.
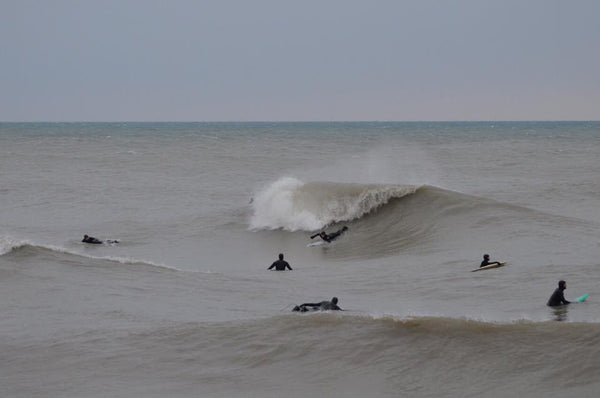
{"x":8,"y":244}
{"x":292,"y":205}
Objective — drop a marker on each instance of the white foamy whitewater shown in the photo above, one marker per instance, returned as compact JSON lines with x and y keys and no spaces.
{"x":183,"y":305}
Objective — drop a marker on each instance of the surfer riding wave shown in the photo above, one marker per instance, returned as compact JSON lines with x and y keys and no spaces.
{"x":332,"y":236}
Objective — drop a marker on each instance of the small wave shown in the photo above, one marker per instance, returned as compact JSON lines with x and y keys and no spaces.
{"x":435,"y":324}
{"x":293,"y":205}
{"x":9,"y":245}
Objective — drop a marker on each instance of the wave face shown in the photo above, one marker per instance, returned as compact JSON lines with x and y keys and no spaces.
{"x":386,"y":219}
{"x":293,"y":205}
{"x":10,"y":246}
{"x":320,"y":355}
{"x":382,"y":357}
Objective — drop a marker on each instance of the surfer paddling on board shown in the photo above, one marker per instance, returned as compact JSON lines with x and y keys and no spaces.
{"x":322,"y":306}
{"x":96,"y":241}
{"x":281,"y":264}
{"x":558,"y":297}
{"x":91,"y":239}
{"x":330,"y":237}
{"x":486,"y":261}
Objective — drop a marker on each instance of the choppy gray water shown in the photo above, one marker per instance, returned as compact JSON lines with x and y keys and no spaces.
{"x":184,"y":306}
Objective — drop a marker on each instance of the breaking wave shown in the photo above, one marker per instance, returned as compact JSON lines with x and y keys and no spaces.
{"x":293,"y":205}
{"x":384,"y":219}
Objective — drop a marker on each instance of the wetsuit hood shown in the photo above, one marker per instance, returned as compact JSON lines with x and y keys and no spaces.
{"x":561,"y":285}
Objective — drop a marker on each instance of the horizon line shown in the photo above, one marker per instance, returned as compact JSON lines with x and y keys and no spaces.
{"x":306,"y":121}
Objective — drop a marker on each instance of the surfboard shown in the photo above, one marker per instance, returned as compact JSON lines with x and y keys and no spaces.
{"x":320,"y":243}
{"x":502,"y":264}
{"x":582,"y":298}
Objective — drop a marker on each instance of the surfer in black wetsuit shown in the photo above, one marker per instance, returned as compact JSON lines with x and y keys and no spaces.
{"x":91,"y":239}
{"x":330,"y":237}
{"x":281,"y":264}
{"x":95,"y":241}
{"x":558,"y":297}
{"x":486,"y":261}
{"x":322,"y":306}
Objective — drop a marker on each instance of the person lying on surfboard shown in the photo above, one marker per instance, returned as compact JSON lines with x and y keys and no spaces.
{"x":329,"y":237}
{"x":91,"y":239}
{"x":96,"y":241}
{"x":322,"y":306}
{"x":486,"y":261}
{"x":558,"y":297}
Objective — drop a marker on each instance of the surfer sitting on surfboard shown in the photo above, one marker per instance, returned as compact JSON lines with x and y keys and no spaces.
{"x":322,"y":306}
{"x":486,"y":261}
{"x":329,"y":237}
{"x":558,"y":297}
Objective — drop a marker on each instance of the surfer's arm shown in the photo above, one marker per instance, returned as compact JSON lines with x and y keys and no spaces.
{"x":563,"y":299}
{"x":486,"y":263}
{"x":272,"y":265}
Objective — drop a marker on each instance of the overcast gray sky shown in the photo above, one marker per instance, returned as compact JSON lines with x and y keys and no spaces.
{"x":229,"y":60}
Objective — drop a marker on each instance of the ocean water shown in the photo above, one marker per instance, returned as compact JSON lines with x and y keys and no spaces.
{"x":183,"y":305}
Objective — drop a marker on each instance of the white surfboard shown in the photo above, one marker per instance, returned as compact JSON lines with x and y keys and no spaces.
{"x":502,"y":264}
